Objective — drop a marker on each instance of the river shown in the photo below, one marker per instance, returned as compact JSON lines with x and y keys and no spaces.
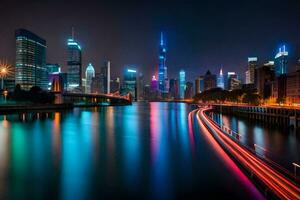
{"x":146,"y":151}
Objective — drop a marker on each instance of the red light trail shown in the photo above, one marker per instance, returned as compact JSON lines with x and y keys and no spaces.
{"x":274,"y":180}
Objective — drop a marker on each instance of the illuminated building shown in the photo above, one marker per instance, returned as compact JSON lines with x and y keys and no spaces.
{"x":74,"y":65}
{"x":153,"y":85}
{"x":130,"y":83}
{"x":181,"y":84}
{"x":105,"y":77}
{"x":52,"y":68}
{"x":281,"y":61}
{"x":89,"y":75}
{"x":250,"y":73}
{"x":30,"y":60}
{"x":220,"y":80}
{"x":233,"y":81}
{"x":57,"y":82}
{"x":163,"y":83}
{"x":209,"y":81}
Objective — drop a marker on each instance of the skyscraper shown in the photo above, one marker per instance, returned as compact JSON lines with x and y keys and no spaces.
{"x":163,"y":83}
{"x":153,"y":85}
{"x":74,"y":64}
{"x":105,"y":77}
{"x":281,"y":61}
{"x":250,"y":73}
{"x":130,"y":83}
{"x":220,"y":80}
{"x":89,"y":75}
{"x":181,"y":84}
{"x":30,"y":60}
{"x":209,"y":81}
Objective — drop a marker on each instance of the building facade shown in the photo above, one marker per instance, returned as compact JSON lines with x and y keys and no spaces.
{"x":181,"y":84}
{"x":30,"y":69}
{"x":220,"y":80}
{"x":250,"y":73}
{"x":74,"y":63}
{"x":281,"y":61}
{"x":163,"y":82}
{"x":130,"y":83}
{"x":89,"y":75}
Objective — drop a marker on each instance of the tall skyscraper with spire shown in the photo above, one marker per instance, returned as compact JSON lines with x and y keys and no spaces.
{"x":163,"y":82}
{"x":74,"y":64}
{"x":220,"y":80}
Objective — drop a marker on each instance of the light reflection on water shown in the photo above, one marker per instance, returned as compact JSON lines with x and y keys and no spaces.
{"x":146,"y":150}
{"x":280,"y":144}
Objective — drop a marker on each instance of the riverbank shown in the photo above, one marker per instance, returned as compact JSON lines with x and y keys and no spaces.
{"x":23,"y":108}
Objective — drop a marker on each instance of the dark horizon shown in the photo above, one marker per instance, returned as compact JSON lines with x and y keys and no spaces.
{"x":200,"y":35}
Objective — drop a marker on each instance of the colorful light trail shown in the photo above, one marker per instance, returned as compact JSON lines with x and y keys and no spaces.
{"x":279,"y":184}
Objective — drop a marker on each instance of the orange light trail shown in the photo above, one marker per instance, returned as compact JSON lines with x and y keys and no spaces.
{"x":274,"y":180}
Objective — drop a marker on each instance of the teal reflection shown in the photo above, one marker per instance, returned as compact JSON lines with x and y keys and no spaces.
{"x":131,"y":147}
{"x":161,"y":180}
{"x":19,"y":161}
{"x":76,"y":156}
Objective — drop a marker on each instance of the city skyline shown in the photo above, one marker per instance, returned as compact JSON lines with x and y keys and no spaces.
{"x":198,"y":33}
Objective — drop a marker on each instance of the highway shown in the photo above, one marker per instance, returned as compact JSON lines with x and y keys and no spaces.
{"x":275,"y":181}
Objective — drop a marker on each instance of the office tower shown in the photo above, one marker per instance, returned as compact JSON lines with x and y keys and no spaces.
{"x":181,"y":84}
{"x":130,"y":83}
{"x":89,"y":75}
{"x":188,"y":93}
{"x":281,"y":61}
{"x":265,"y":77}
{"x":233,"y":81}
{"x":105,"y":77}
{"x":115,"y":85}
{"x":174,"y":88}
{"x":52,"y":68}
{"x":250,"y":73}
{"x":30,"y":60}
{"x":163,"y":83}
{"x":220,"y":80}
{"x":74,"y":64}
{"x":153,"y":85}
{"x":209,"y":81}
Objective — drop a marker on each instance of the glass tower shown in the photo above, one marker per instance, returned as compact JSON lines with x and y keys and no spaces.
{"x":220,"y":80}
{"x":89,"y":75}
{"x":130,"y":83}
{"x":281,"y":61}
{"x":31,"y":67}
{"x":181,"y":84}
{"x":74,"y":65}
{"x":163,"y":83}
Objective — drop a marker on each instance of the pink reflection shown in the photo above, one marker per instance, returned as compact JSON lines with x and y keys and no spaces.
{"x":154,"y":129}
{"x":191,"y":132}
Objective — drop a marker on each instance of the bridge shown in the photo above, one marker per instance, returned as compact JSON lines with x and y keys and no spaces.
{"x":86,"y":100}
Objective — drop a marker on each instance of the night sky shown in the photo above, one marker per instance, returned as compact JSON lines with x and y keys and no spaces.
{"x":200,"y":35}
